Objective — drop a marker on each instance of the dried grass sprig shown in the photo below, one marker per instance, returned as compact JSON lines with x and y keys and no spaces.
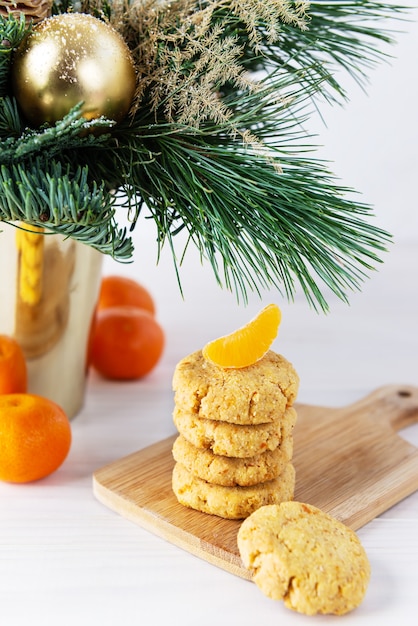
{"x":186,"y":52}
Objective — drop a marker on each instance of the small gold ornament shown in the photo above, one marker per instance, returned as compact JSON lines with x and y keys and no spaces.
{"x":72,"y":58}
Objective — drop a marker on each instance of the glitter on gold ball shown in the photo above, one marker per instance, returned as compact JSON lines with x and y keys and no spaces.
{"x":73,"y":58}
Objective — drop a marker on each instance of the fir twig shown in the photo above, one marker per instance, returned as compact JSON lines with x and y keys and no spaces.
{"x":64,"y":202}
{"x":71,"y":133}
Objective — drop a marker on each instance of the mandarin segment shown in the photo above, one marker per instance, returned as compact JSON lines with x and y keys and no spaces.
{"x":248,"y":344}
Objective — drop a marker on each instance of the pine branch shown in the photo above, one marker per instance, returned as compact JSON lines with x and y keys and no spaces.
{"x":278,"y":218}
{"x":261,"y":213}
{"x":63,"y":201}
{"x":262,"y":228}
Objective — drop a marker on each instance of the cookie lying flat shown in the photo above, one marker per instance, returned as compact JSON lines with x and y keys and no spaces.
{"x":232,"y":472}
{"x":230,"y":502}
{"x":235,"y":440}
{"x":305,"y":557}
{"x":256,"y":394}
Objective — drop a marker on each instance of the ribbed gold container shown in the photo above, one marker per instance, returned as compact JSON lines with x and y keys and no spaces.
{"x":48,"y":293}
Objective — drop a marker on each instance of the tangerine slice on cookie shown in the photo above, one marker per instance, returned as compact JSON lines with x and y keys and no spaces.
{"x":248,"y":344}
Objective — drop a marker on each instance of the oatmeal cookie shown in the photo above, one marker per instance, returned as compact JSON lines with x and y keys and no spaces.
{"x":230,"y":502}
{"x":229,"y":471}
{"x":302,"y":555}
{"x":234,"y":440}
{"x":256,"y":394}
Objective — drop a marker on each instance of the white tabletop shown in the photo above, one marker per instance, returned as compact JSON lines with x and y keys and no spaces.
{"x":67,"y":559}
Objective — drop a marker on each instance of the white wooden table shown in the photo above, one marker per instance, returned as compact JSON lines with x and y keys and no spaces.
{"x":65,"y":559}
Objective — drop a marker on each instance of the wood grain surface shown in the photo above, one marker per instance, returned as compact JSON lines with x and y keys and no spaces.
{"x":350,"y":462}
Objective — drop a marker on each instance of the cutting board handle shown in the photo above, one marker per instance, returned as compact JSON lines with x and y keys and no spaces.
{"x":397,"y":405}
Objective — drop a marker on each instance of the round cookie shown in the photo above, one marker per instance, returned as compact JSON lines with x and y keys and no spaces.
{"x":230,"y":502}
{"x":232,"y":472}
{"x":234,"y":440}
{"x":256,"y":394}
{"x":304,"y":556}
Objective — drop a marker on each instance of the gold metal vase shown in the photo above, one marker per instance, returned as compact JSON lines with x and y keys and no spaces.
{"x":48,"y":292}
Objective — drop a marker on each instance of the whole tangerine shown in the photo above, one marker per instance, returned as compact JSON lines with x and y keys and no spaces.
{"x":35,"y":437}
{"x":13,"y":370}
{"x":123,"y":291}
{"x":127,"y":343}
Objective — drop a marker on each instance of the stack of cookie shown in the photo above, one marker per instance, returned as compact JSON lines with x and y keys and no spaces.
{"x":234,"y":451}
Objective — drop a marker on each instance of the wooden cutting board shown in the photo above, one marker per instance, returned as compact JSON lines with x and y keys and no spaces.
{"x":350,"y":462}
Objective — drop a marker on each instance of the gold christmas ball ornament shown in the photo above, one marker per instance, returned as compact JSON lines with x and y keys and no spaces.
{"x":73,"y":58}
